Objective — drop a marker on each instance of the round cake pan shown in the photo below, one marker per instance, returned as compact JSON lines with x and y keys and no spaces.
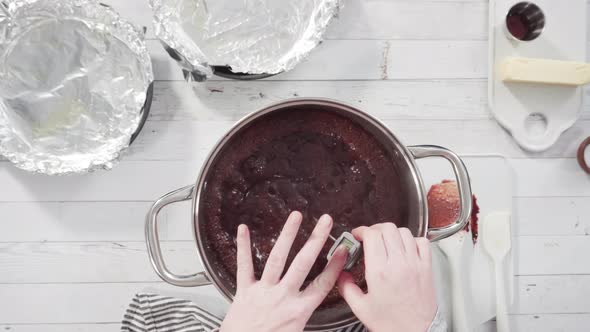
{"x":226,"y":72}
{"x":255,"y":39}
{"x":145,"y":112}
{"x":75,"y":85}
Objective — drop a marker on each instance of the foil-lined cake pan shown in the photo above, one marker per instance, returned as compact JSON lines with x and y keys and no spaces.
{"x":246,"y":39}
{"x":75,"y":85}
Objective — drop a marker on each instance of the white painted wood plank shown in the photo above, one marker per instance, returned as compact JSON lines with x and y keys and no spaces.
{"x":89,"y":303}
{"x":552,"y":294}
{"x":364,"y":60}
{"x":375,"y":19}
{"x":123,"y":221}
{"x":128,"y":181}
{"x":535,"y":217}
{"x":551,"y":323}
{"x":386,"y":19}
{"x":374,"y":59}
{"x":435,"y":59}
{"x":97,"y":327}
{"x":231,"y":100}
{"x":387,"y":100}
{"x":553,"y":216}
{"x":90,"y":221}
{"x":81,"y":221}
{"x":540,"y":323}
{"x":392,"y":19}
{"x":543,"y":323}
{"x":544,"y":255}
{"x":91,"y":262}
{"x":82,"y":303}
{"x":368,"y":60}
{"x":84,"y":262}
{"x":550,"y":177}
{"x":192,"y":140}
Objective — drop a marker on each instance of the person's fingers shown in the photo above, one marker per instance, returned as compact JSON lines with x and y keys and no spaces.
{"x":359,"y":232}
{"x":409,"y":243}
{"x":305,"y":259}
{"x":392,"y":239}
{"x":275,"y":264}
{"x":374,"y":248}
{"x":351,"y":293}
{"x":245,"y":273}
{"x":323,"y":284}
{"x":424,"y":250}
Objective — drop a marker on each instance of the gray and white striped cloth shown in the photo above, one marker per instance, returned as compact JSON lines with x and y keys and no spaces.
{"x":156,"y":313}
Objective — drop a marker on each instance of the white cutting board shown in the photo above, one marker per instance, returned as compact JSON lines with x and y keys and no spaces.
{"x":513,"y":104}
{"x":492,"y":184}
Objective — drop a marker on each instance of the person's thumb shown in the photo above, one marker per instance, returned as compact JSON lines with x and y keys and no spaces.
{"x":352,"y":294}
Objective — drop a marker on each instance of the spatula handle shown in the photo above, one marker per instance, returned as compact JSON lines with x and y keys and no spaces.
{"x":502,"y":322}
{"x":461,"y":300}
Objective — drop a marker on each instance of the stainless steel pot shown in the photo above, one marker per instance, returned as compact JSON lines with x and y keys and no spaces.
{"x":404,"y":158}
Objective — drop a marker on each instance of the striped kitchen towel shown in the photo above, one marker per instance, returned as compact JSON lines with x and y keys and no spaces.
{"x":156,"y":313}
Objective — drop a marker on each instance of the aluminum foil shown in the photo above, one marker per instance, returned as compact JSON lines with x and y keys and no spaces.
{"x":250,"y":36}
{"x":73,"y":81}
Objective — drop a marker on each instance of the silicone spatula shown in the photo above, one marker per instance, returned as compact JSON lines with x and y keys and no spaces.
{"x":496,"y":238}
{"x":459,"y":250}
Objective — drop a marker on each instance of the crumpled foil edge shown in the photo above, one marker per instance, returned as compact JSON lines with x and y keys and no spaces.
{"x":101,"y":17}
{"x":193,"y":62}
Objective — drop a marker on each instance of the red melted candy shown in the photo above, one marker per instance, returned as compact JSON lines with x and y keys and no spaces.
{"x":444,"y":207}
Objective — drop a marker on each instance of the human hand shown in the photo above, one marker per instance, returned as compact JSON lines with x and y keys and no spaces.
{"x":398,"y":271}
{"x":274,"y":303}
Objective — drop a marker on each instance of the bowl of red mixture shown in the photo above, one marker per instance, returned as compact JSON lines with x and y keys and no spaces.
{"x":311,"y":155}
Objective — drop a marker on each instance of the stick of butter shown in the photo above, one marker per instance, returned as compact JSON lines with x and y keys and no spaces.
{"x":544,"y":71}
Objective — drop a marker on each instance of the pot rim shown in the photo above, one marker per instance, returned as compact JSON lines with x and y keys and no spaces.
{"x":246,"y":120}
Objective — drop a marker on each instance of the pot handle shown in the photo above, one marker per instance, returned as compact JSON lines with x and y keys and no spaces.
{"x":463,"y":183}
{"x":153,"y":242}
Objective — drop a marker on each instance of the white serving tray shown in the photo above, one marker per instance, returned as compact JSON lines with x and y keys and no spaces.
{"x":564,"y":38}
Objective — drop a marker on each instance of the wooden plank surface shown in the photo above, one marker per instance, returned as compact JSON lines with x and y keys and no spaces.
{"x":87,"y":327}
{"x":394,"y":19}
{"x":72,"y":250}
{"x":553,"y":215}
{"x":192,"y":140}
{"x":123,"y":221}
{"x":94,"y":302}
{"x":127,"y":181}
{"x":446,"y":99}
{"x":368,"y":60}
{"x":186,"y":140}
{"x":95,"y":262}
{"x":539,"y":322}
{"x":106,"y":302}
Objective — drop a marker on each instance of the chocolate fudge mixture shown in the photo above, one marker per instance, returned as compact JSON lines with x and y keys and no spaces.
{"x":312,"y":161}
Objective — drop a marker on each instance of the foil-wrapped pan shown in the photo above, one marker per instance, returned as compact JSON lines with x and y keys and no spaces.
{"x":258,"y":37}
{"x":74,"y":79}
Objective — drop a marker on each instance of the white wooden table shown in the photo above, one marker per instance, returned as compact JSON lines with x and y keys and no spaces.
{"x":72,"y":249}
